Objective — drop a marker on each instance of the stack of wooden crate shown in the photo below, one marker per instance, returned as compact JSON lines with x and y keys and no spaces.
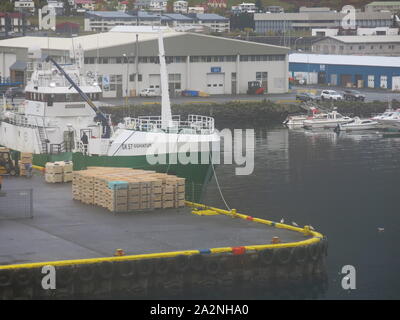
{"x":67,"y":171}
{"x":126,"y":189}
{"x":59,"y":171}
{"x":26,"y":159}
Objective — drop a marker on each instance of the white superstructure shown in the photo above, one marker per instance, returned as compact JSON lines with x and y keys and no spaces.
{"x":54,"y":117}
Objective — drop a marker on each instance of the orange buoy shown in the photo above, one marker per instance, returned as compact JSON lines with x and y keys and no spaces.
{"x":119,"y":252}
{"x":275,"y":240}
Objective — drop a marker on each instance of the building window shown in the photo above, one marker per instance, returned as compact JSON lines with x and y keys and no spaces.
{"x":174,"y":81}
{"x":263,"y":78}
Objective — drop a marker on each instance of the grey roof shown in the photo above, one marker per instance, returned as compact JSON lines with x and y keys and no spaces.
{"x":210,"y":16}
{"x":109,"y":14}
{"x":18,"y":66}
{"x":191,"y":44}
{"x":177,"y":16}
{"x":384,"y":3}
{"x":337,"y":59}
{"x":321,"y":16}
{"x":364,"y":39}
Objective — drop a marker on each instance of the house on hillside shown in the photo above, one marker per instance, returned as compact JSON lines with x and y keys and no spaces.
{"x":221,"y":4}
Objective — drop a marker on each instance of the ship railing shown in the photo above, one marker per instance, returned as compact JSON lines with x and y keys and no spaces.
{"x":19,"y":120}
{"x":195,"y":124}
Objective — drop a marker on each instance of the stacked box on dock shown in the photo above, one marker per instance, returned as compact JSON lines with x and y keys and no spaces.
{"x":25,"y":159}
{"x":76,"y":192}
{"x":133,"y":194}
{"x":125,"y":189}
{"x":67,"y":171}
{"x":117,"y":196}
{"x":172,"y":191}
{"x":54,"y":172}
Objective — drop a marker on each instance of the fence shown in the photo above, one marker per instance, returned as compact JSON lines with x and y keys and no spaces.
{"x":16,"y":204}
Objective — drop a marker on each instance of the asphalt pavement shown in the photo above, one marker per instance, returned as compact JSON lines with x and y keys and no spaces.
{"x":371,"y":95}
{"x":285,"y":98}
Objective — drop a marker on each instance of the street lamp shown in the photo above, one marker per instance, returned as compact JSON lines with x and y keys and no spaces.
{"x":295,"y":43}
{"x":127,"y":79}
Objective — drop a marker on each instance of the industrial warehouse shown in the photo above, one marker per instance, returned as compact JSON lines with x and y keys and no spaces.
{"x":195,"y":61}
{"x":346,"y":70}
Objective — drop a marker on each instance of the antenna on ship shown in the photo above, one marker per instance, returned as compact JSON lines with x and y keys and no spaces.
{"x":166,"y":117}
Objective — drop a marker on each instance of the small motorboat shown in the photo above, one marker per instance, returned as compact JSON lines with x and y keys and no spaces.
{"x":329,"y":120}
{"x":357,"y":124}
{"x":298,"y":120}
{"x":390,"y":119}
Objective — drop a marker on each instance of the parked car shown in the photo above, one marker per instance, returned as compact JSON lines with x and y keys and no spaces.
{"x":330,"y":95}
{"x":306,"y":96}
{"x":14,"y":92}
{"x":353,"y":95}
{"x":148,"y":92}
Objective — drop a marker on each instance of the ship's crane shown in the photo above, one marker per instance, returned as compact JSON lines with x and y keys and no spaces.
{"x":100,"y":117}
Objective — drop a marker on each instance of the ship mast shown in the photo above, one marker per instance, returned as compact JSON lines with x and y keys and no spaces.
{"x":166,"y":117}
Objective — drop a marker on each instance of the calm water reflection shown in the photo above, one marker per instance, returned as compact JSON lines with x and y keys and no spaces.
{"x":346,"y":186}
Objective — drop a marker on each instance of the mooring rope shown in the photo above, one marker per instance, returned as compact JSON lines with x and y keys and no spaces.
{"x":218,"y":186}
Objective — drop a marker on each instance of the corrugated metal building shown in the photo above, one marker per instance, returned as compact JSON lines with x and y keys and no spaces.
{"x":346,"y":70}
{"x":195,"y":61}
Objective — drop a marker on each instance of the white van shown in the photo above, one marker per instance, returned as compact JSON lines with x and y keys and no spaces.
{"x":148,"y":92}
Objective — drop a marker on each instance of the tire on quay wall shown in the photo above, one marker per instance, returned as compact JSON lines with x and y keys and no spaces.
{"x":267,"y":256}
{"x":145,"y":267}
{"x":315,"y":251}
{"x":65,"y":275}
{"x":197,"y":262}
{"x":6,"y":277}
{"x":85,"y":272}
{"x":23,"y":277}
{"x":284,"y":256}
{"x":324,"y":244}
{"x":162,"y":266}
{"x":213,"y":264}
{"x":301,"y":254}
{"x":125,"y":269}
{"x":181,"y":263}
{"x":105,"y":269}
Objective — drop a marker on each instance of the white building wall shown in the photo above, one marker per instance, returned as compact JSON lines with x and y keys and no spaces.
{"x":6,"y":61}
{"x":277,"y":75}
{"x":327,"y":32}
{"x":198,"y":74}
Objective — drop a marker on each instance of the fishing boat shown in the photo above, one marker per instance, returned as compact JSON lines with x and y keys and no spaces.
{"x":357,"y":124}
{"x":60,"y":120}
{"x":329,"y":120}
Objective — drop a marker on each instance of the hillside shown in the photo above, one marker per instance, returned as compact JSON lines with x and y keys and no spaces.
{"x":294,"y":5}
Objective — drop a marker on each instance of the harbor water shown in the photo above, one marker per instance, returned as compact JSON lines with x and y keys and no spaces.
{"x":345,"y":185}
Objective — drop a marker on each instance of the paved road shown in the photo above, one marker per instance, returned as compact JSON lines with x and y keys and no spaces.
{"x":371,"y":95}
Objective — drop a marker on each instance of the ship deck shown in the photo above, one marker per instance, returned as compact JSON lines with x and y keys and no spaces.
{"x":62,"y":228}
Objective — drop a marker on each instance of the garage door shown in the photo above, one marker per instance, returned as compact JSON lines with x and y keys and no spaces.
{"x":155,"y":82}
{"x":345,"y":80}
{"x":384,"y":82}
{"x":371,"y":81}
{"x":215,"y":83}
{"x":396,"y":83}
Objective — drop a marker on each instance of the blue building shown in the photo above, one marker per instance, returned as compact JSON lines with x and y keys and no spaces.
{"x":346,"y":70}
